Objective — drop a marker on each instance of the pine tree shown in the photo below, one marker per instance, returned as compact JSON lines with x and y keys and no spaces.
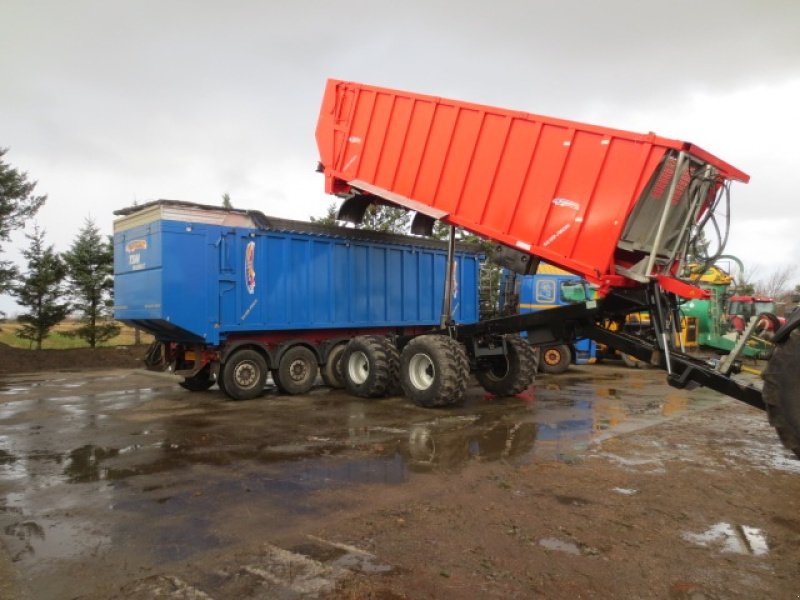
{"x":490,"y":273}
{"x":389,"y":219}
{"x":17,"y":205}
{"x":386,"y":218}
{"x":226,"y":201}
{"x":329,"y":218}
{"x":90,"y":265}
{"x":41,"y":290}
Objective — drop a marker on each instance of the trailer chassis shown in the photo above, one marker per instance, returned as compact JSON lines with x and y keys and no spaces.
{"x":564,"y":324}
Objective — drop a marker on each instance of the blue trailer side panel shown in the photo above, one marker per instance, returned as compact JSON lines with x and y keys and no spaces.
{"x":184,"y":278}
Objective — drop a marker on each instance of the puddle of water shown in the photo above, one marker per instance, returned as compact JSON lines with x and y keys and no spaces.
{"x":767,"y":456}
{"x":548,"y":428}
{"x":558,"y":545}
{"x":6,"y":457}
{"x":46,"y":539}
{"x":342,"y":556}
{"x":736,"y":539}
{"x":557,"y":422}
{"x":361,"y":564}
{"x":13,"y":391}
{"x":625,"y":491}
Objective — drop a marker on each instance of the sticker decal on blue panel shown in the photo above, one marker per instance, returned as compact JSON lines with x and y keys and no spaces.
{"x":250,"y":267}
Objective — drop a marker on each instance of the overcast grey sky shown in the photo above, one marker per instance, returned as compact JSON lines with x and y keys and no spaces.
{"x":110,"y":102}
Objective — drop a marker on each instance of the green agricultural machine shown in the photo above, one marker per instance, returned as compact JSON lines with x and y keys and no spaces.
{"x":715,"y":328}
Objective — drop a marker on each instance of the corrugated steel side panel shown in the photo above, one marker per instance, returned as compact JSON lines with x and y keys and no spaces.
{"x":209,"y":281}
{"x":558,"y":189}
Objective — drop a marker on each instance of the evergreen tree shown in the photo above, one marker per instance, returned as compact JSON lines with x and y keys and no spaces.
{"x":377,"y":218}
{"x":329,"y":218}
{"x":17,"y":204}
{"x":490,"y":273}
{"x":41,"y":290}
{"x":226,"y":201}
{"x":90,"y":265}
{"x":386,"y":218}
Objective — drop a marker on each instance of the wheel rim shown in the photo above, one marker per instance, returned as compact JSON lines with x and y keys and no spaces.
{"x":246,"y":374}
{"x":552,"y":357}
{"x":421,"y":371}
{"x":358,"y":367}
{"x":298,"y":370}
{"x":498,"y":371}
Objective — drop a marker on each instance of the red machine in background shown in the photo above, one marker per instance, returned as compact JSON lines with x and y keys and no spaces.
{"x":740,"y":309}
{"x":618,"y":208}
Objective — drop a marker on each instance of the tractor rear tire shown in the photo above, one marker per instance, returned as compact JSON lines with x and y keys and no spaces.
{"x":369,"y":367}
{"x":434,"y":371}
{"x":782,"y":391}
{"x":297,"y":370}
{"x":199,"y":382}
{"x":513,"y":373}
{"x":332,"y":369}
{"x":556,"y":359}
{"x":244,"y":374}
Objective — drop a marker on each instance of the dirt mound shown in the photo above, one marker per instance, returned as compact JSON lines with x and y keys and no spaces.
{"x":18,"y":360}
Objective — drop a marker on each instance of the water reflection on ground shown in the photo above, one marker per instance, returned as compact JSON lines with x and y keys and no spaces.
{"x":99,"y":462}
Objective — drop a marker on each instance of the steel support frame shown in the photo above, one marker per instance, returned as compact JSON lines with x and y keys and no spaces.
{"x":686,"y":370}
{"x":567,"y":322}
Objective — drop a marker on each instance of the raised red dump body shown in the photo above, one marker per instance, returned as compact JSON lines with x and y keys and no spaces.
{"x":589,"y":199}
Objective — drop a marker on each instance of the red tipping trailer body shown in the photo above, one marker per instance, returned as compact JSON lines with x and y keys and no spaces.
{"x":586,"y":198}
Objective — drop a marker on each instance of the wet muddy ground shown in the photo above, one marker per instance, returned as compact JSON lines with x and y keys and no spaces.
{"x":600,"y":483}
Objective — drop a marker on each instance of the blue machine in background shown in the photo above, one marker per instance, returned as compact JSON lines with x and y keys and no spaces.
{"x":544,"y":290}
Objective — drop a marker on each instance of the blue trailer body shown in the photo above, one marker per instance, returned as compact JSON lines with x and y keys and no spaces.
{"x":194,"y":274}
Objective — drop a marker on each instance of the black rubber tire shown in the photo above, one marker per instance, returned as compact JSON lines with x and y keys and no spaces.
{"x":332,"y":369}
{"x":393,"y":388}
{"x":199,"y":382}
{"x":276,"y":379}
{"x":782,"y":391}
{"x":297,"y":370}
{"x":221,"y":380}
{"x":244,"y":374}
{"x":555,"y":359}
{"x":434,"y":371}
{"x":369,"y":367}
{"x":512,"y":374}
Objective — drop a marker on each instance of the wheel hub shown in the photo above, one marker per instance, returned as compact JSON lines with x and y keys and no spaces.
{"x":552,"y":357}
{"x":358,"y":367}
{"x":245,"y":374}
{"x":298,"y":370}
{"x":421,"y":371}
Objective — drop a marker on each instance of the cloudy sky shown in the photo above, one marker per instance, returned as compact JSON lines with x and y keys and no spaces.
{"x":107,"y":103}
